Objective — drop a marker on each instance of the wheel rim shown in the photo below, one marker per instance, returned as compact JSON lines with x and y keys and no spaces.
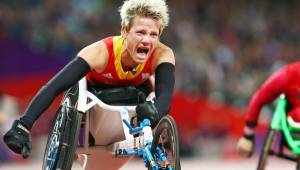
{"x":53,"y":151}
{"x":166,"y":142}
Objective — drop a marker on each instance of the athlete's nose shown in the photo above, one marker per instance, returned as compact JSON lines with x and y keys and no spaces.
{"x":146,"y":40}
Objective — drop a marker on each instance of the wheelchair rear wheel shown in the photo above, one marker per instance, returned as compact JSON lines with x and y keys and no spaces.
{"x":62,"y":140}
{"x":166,"y":137}
{"x":266,"y":150}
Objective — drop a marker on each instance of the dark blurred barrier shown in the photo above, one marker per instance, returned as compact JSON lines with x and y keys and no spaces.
{"x":19,"y":59}
{"x":24,"y":71}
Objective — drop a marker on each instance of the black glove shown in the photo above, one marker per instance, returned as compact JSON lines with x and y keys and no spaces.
{"x":249,"y":137}
{"x":17,"y":139}
{"x":147,"y":110}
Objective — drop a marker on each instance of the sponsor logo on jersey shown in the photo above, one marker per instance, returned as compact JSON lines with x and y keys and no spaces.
{"x":107,"y":75}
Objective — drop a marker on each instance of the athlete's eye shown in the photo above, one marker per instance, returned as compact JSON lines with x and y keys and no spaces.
{"x":154,"y":35}
{"x":140,"y":32}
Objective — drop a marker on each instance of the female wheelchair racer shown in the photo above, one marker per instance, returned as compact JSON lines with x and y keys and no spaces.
{"x":127,"y":59}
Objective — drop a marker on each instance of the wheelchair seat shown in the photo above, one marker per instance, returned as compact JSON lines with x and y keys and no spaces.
{"x":293,"y":119}
{"x":104,"y":122}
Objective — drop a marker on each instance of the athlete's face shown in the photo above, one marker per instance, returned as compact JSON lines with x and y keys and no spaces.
{"x":141,"y":38}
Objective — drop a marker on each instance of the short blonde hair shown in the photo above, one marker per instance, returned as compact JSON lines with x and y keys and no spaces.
{"x":156,"y":9}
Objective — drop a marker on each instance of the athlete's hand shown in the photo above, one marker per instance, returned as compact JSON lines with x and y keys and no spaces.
{"x":17,"y":139}
{"x":246,"y":146}
{"x":147,"y":110}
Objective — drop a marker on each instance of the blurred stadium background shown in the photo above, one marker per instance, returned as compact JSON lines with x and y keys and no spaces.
{"x":224,"y":50}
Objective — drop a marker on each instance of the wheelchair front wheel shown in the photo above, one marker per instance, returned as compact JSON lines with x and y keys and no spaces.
{"x":166,"y":137}
{"x":62,"y":140}
{"x":266,"y":150}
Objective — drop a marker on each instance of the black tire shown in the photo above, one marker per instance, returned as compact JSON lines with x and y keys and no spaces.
{"x":166,"y":137}
{"x":266,"y":150}
{"x":63,"y":137}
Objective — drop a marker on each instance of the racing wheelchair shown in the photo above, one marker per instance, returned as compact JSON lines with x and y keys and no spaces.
{"x":102,"y":132}
{"x":286,"y":132}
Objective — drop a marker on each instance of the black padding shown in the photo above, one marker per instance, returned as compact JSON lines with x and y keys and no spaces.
{"x":126,"y":95}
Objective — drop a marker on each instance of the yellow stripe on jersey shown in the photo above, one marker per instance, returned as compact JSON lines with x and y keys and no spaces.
{"x":118,"y":42}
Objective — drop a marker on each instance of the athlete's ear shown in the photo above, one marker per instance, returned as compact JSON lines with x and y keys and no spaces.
{"x":124,"y":32}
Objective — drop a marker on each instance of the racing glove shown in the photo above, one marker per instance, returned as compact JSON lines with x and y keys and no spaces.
{"x":147,"y":110}
{"x":17,"y":139}
{"x":246,"y":144}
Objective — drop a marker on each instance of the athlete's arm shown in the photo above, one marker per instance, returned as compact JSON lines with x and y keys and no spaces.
{"x":164,"y":67}
{"x":68,"y":76}
{"x":96,"y":55}
{"x":269,"y":91}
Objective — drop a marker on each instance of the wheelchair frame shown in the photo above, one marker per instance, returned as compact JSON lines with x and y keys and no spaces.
{"x":137,"y":140}
{"x":279,"y":123}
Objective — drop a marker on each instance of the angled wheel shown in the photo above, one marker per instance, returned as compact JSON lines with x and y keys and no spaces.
{"x":62,"y":140}
{"x":166,"y":137}
{"x":266,"y":150}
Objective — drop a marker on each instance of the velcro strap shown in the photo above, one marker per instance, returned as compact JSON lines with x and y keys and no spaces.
{"x":20,"y":126}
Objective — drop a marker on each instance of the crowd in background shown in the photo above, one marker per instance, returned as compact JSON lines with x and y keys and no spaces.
{"x":224,"y":49}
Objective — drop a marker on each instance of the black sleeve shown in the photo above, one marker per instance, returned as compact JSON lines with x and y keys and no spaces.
{"x":251,"y":124}
{"x":68,"y":76}
{"x":164,"y":86}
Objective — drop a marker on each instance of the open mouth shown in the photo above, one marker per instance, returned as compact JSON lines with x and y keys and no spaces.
{"x":143,"y":50}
